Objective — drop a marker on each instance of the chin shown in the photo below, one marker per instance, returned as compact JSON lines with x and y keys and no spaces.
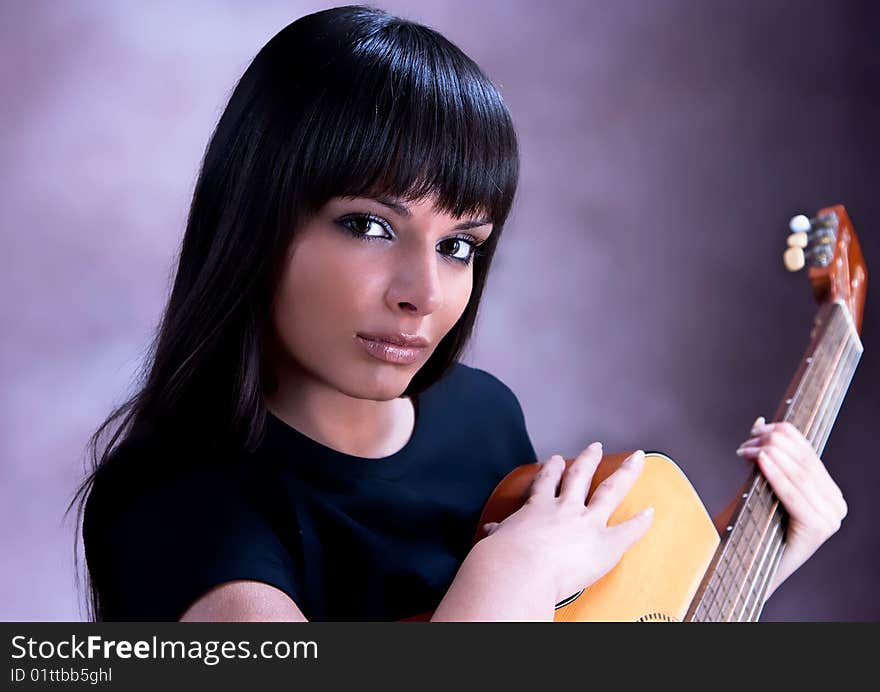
{"x":379,"y":383}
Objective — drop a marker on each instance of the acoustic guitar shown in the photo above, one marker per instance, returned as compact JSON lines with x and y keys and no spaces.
{"x":682,"y":569}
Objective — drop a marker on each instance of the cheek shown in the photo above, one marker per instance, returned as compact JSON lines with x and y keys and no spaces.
{"x":459,"y":295}
{"x":324,"y":292}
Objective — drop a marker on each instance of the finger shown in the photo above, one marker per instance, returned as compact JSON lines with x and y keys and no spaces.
{"x":625,"y":534}
{"x":786,"y":435}
{"x":546,"y":480}
{"x":610,"y":492}
{"x":812,"y":464}
{"x":788,"y":483}
{"x":777,"y":435}
{"x":577,"y":478}
{"x":489,"y":527}
{"x":811,"y":469}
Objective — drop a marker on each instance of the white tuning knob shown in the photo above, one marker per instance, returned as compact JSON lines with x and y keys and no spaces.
{"x":798,"y":239}
{"x":794,"y":259}
{"x":799,"y":224}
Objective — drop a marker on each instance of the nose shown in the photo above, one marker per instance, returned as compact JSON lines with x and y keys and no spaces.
{"x":415,"y":287}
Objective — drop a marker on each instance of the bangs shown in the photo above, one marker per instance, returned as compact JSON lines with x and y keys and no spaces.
{"x":405,"y":113}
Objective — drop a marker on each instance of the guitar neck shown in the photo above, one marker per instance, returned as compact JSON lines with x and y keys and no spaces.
{"x":737,"y":580}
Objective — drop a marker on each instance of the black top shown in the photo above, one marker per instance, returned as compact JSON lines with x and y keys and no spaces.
{"x":346,"y":537}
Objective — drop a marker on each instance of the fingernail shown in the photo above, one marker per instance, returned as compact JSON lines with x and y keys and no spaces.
{"x":759,"y":421}
{"x":596,"y":445}
{"x":751,"y":442}
{"x":635,"y":459}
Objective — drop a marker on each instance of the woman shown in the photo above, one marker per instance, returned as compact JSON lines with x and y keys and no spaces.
{"x":305,"y":444}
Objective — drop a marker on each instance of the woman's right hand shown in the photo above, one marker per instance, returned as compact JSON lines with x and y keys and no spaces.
{"x":566,"y":538}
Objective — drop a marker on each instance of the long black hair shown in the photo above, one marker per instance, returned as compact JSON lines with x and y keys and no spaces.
{"x":349,"y":101}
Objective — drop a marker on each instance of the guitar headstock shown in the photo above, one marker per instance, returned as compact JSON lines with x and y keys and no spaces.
{"x":828,"y":244}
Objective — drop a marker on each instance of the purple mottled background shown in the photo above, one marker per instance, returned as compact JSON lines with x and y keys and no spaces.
{"x":638,"y":298}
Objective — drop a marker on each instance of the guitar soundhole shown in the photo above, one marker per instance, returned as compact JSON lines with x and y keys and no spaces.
{"x":568,"y":600}
{"x":656,"y":617}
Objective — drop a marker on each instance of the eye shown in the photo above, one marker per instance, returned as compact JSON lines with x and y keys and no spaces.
{"x":365,"y":226}
{"x":458,"y":248}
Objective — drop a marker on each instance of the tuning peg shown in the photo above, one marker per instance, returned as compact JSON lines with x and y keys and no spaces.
{"x":793,"y":258}
{"x":800,"y":224}
{"x":798,"y":239}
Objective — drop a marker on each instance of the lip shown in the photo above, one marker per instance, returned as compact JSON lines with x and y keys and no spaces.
{"x":398,"y":339}
{"x":382,"y":348}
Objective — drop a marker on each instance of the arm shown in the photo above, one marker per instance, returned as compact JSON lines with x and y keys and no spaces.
{"x":243,"y":600}
{"x":488,"y":586}
{"x":492,"y":584}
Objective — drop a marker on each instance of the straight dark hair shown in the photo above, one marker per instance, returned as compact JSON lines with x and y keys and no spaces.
{"x":349,"y":101}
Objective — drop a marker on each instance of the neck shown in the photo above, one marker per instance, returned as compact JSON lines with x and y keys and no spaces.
{"x":736,"y":583}
{"x":359,"y":427}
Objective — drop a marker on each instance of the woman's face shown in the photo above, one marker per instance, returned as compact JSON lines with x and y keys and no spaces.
{"x":363,"y":268}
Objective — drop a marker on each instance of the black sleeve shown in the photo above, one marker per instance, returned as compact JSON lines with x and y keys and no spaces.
{"x":505,"y":401}
{"x":528,"y":454}
{"x":152,"y":556}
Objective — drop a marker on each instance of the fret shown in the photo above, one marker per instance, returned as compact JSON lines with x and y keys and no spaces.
{"x":732,"y":567}
{"x":747,"y":547}
{"x":722,"y":598}
{"x":819,"y":434}
{"x":778,"y":550}
{"x":822,"y":366}
{"x":758,"y":533}
{"x":775,"y":546}
{"x":706,"y":605}
{"x":760,"y":565}
{"x":745,"y":593}
{"x":731,"y":590}
{"x":823,"y":386}
{"x":713,"y":604}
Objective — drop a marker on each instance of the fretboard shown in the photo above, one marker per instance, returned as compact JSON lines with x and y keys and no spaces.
{"x":741,"y":572}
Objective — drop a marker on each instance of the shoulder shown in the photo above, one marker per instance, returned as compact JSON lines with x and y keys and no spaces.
{"x":477,"y":388}
{"x":140,"y":476}
{"x":487,"y":416}
{"x":158,"y":532}
{"x":144,"y":489}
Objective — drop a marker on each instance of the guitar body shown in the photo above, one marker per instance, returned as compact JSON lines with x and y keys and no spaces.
{"x":657,"y":578}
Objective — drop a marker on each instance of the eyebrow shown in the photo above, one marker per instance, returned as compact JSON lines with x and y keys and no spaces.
{"x":403,"y":210}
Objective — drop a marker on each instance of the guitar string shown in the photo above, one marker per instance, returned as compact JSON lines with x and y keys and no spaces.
{"x":813,"y":411}
{"x":755,"y":567}
{"x":740,"y":577}
{"x":758,"y":558}
{"x":755,"y":561}
{"x":759,"y":569}
{"x":778,"y":548}
{"x":831,"y":406}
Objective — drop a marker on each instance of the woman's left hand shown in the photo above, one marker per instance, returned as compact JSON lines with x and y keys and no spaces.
{"x":796,"y":474}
